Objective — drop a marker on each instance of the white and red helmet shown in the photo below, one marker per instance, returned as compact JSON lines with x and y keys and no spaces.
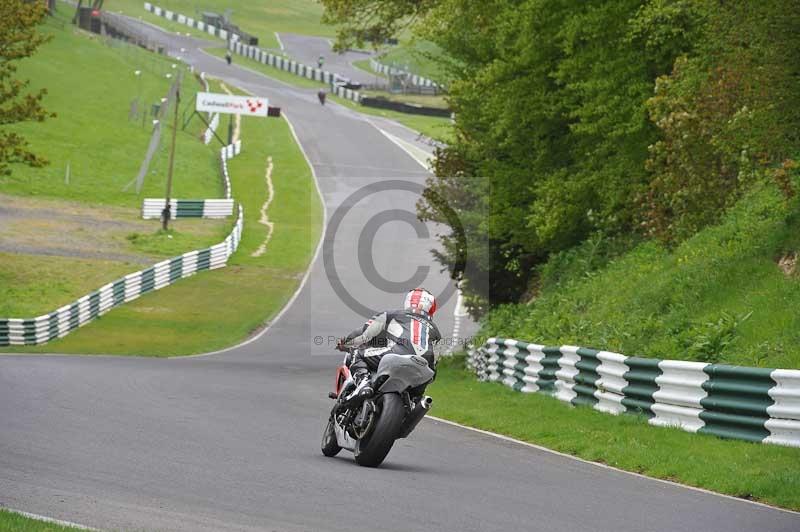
{"x":420,"y":300}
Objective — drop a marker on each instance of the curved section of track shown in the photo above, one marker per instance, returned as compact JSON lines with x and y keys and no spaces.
{"x":231,"y":441}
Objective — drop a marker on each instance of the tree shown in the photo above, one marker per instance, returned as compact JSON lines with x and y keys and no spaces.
{"x":372,"y":20}
{"x":19,"y":39}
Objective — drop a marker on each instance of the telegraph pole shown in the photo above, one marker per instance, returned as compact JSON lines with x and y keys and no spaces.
{"x":166,"y":214}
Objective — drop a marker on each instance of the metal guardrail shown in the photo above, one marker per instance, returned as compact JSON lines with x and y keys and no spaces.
{"x":753,"y":404}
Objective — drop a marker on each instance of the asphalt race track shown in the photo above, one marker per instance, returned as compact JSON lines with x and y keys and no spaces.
{"x":231,"y":441}
{"x":307,"y":50}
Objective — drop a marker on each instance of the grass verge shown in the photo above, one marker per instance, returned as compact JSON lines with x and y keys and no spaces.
{"x":216,"y":309}
{"x":434,"y":127}
{"x":14,"y":522}
{"x":84,"y":203}
{"x":766,"y":473}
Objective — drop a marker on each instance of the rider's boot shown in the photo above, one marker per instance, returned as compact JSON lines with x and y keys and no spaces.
{"x":363,"y":383}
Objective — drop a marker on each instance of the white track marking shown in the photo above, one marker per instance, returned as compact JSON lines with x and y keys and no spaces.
{"x":280,"y":42}
{"x":68,"y":524}
{"x":418,"y":154}
{"x":604,"y":466}
{"x":289,"y":303}
{"x":264,"y":220}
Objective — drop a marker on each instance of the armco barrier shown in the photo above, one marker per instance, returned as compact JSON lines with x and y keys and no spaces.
{"x":753,"y":404}
{"x":402,"y":107}
{"x":59,"y":323}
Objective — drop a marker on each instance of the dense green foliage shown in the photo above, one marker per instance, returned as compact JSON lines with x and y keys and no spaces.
{"x":629,"y":118}
{"x":719,"y":296}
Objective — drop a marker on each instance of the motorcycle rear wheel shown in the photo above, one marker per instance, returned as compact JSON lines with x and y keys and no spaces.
{"x":372,"y":450}
{"x":330,"y":446}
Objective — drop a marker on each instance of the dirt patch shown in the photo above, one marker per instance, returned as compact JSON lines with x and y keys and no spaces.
{"x":788,"y":264}
{"x":34,"y":226}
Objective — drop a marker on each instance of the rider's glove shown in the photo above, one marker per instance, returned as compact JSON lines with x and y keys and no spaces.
{"x":341,"y":345}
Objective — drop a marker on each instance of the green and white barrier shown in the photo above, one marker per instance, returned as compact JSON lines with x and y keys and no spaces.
{"x":186,"y":21}
{"x":180,"y":208}
{"x":387,"y":70}
{"x":753,"y":404}
{"x":60,"y":322}
{"x":293,"y":67}
{"x":257,"y":54}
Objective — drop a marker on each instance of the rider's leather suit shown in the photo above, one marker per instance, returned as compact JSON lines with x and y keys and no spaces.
{"x":399,"y":331}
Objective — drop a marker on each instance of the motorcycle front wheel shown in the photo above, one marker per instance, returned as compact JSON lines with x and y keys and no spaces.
{"x":372,"y":449}
{"x":330,"y":446}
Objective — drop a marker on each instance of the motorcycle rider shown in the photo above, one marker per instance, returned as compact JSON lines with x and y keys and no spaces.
{"x":410,"y":331}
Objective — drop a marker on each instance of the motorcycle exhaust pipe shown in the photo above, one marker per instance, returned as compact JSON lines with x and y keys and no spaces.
{"x":416,"y":415}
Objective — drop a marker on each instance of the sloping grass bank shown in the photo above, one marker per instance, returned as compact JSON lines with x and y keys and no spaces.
{"x":765,"y":473}
{"x":91,"y":86}
{"x":727,"y":295}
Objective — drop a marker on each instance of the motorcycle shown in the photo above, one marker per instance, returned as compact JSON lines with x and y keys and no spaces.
{"x":368,"y":427}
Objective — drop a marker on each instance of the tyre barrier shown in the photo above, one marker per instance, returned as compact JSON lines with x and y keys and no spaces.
{"x":736,"y":402}
{"x":59,"y":323}
{"x":387,"y":70}
{"x":293,"y":67}
{"x":186,"y":21}
{"x":180,"y":208}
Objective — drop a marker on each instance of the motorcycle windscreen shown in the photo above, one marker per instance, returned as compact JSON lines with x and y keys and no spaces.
{"x":403,"y":372}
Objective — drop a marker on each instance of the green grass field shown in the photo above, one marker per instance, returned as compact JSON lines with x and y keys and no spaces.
{"x":92,"y":133}
{"x":216,"y":309}
{"x":261,"y":19}
{"x":91,"y":83}
{"x":14,"y":522}
{"x":766,"y":473}
{"x":413,"y":55}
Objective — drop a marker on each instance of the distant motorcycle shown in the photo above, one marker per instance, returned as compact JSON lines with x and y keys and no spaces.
{"x":369,"y":427}
{"x":321,"y":95}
